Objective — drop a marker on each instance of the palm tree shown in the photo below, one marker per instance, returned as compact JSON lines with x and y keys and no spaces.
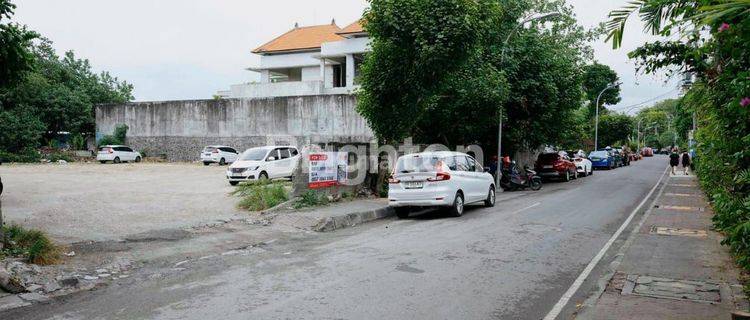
{"x":661,"y":16}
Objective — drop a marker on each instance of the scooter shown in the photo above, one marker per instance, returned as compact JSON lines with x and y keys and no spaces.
{"x":529,"y":180}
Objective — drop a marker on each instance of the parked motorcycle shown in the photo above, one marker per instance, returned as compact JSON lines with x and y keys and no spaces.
{"x":512,"y":180}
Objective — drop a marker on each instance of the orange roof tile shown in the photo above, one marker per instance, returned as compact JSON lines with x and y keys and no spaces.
{"x":302,"y":38}
{"x":355,"y":27}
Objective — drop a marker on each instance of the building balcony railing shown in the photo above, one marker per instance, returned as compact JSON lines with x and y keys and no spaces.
{"x":283,"y":89}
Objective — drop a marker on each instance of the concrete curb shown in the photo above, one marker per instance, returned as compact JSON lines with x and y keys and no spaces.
{"x":352,"y":219}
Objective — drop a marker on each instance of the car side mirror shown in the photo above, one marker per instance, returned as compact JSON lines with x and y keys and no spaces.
{"x":487,"y":170}
{"x":270,"y":159}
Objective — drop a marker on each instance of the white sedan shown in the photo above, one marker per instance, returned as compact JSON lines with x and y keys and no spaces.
{"x":117,"y":154}
{"x":439,"y":179}
{"x":583,"y":164}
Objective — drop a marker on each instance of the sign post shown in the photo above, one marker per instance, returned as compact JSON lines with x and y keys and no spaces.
{"x":327,"y":169}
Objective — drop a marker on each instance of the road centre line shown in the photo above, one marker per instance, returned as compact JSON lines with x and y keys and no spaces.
{"x":558,"y":307}
{"x":526,"y":208}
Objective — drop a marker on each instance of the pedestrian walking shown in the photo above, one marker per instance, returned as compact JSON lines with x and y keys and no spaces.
{"x":674,"y":159}
{"x":685,"y":162}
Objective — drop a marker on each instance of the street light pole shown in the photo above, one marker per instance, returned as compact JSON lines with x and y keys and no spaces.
{"x":596,"y":129}
{"x":498,"y":170}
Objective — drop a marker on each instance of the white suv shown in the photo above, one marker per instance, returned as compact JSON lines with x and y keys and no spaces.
{"x":117,"y":154}
{"x":218,"y":154}
{"x":264,"y":163}
{"x":447,"y":179}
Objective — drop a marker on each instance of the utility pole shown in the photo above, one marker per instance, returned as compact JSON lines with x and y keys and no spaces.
{"x":596,"y":129}
{"x":498,"y":171}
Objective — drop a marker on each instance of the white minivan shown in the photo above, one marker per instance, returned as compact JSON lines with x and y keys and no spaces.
{"x":117,"y":154}
{"x":439,"y":179}
{"x":218,"y":154}
{"x":268,"y":162}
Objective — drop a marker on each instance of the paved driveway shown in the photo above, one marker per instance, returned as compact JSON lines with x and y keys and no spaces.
{"x":76,"y":202}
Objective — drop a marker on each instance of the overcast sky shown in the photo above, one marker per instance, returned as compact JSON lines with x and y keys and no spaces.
{"x":189,"y":49}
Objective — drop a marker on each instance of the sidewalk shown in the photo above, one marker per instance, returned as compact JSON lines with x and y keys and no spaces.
{"x":674,"y":267}
{"x":336,"y":216}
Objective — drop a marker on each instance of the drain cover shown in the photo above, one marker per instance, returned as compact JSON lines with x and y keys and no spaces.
{"x":666,"y":231}
{"x":672,"y":289}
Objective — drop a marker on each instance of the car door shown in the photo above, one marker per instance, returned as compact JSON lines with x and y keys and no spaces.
{"x":285,"y":162}
{"x":232,"y":155}
{"x":130,"y":153}
{"x":479,"y":184}
{"x":273,"y":167}
{"x":464,"y":178}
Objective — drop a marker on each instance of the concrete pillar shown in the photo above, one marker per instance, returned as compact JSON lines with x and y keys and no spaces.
{"x":350,"y":70}
{"x":265,"y":76}
{"x":323,"y":71}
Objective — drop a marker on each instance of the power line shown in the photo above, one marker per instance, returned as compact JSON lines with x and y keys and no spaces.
{"x":633,"y":106}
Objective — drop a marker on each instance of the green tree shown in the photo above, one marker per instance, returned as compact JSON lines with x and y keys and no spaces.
{"x":614,"y":129}
{"x":597,"y":77}
{"x":441,"y":71}
{"x":15,"y":41}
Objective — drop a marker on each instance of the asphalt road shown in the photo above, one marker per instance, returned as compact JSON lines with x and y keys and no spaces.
{"x":513,"y":261}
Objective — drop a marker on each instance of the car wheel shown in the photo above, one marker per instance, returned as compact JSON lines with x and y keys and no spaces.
{"x":137,"y":159}
{"x":234,"y":183}
{"x":402,"y":212}
{"x":490,"y":201}
{"x":222,"y":162}
{"x":457,"y":209}
{"x":591,"y":171}
{"x":567,"y":176}
{"x":536,"y":183}
{"x":117,"y":160}
{"x":206,"y":163}
{"x":575,"y":174}
{"x":263,"y":176}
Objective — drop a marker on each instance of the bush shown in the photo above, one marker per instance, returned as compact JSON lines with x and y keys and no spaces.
{"x":312,"y":198}
{"x":25,"y":155}
{"x":34,"y":245}
{"x":261,"y":195}
{"x":118,"y":137}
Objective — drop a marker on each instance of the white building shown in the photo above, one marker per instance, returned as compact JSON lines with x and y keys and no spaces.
{"x":311,"y":60}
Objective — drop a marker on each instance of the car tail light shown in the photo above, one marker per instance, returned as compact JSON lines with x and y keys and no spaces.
{"x":109,"y":150}
{"x":393,"y":181}
{"x":215,"y":151}
{"x":559,"y":163}
{"x":440,"y":176}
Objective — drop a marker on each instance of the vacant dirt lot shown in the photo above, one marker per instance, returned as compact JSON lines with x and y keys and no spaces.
{"x":77,"y":202}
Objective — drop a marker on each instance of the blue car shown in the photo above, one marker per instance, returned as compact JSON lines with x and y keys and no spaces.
{"x":602,"y":159}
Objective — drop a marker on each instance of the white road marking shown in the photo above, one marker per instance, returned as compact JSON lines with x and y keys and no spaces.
{"x":590,"y":267}
{"x":526,"y":208}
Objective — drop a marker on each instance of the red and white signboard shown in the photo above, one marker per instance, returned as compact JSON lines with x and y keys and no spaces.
{"x":327,"y":169}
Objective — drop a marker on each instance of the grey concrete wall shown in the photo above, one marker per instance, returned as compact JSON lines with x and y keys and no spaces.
{"x":180,"y":129}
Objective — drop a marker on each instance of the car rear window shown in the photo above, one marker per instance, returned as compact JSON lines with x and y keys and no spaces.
{"x":599,"y":154}
{"x":548,"y":157}
{"x":409,"y":164}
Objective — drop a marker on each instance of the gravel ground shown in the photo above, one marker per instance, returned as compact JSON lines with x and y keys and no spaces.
{"x":82,"y":201}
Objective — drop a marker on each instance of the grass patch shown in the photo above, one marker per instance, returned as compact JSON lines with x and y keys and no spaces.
{"x":261,"y":195}
{"x":34,"y":245}
{"x":312,"y":198}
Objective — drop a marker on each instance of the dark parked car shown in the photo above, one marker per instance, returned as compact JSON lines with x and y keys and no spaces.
{"x":615,"y":155}
{"x":556,"y":165}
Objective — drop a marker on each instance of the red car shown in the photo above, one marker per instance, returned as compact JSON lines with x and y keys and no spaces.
{"x":556,"y":165}
{"x":647,"y":152}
